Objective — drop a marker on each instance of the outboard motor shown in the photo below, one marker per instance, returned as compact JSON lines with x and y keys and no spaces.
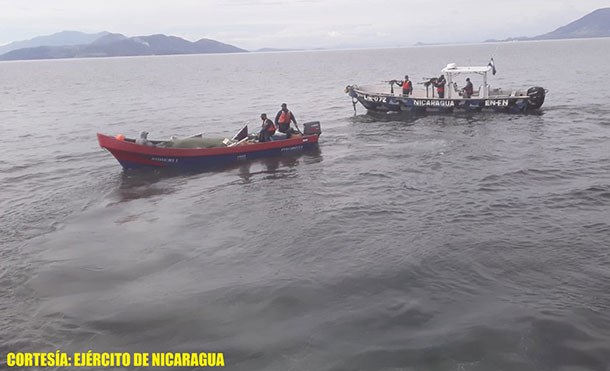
{"x":311,"y":128}
{"x":536,"y":97}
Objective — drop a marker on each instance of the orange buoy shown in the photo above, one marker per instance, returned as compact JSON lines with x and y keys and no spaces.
{"x":120,"y":137}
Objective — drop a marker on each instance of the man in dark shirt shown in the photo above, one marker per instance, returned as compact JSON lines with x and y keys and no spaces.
{"x":468,"y":90}
{"x":283,"y":119}
{"x":267,"y":129}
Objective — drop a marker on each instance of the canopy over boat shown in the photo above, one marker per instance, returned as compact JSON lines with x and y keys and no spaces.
{"x":452,"y":71}
{"x":452,"y":68}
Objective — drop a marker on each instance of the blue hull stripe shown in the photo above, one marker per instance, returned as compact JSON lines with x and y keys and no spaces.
{"x":217,"y":160}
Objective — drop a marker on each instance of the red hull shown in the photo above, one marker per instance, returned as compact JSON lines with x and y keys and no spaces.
{"x":132,"y":155}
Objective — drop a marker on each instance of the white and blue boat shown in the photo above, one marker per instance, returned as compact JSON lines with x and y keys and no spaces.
{"x":423,"y":98}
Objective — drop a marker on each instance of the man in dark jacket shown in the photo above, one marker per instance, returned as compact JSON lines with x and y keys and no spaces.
{"x":468,"y":90}
{"x":267,"y":129}
{"x":283,"y":119}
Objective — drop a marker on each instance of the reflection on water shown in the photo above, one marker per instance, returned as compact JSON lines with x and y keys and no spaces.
{"x":413,"y":117}
{"x":143,"y":183}
{"x":148,"y":182}
{"x":280,"y":166}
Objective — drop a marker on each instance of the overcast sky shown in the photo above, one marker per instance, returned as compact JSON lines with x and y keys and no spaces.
{"x":253,"y":24}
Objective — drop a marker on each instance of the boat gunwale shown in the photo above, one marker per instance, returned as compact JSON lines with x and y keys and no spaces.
{"x":386,"y":95}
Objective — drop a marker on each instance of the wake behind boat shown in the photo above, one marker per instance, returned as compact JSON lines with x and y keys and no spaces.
{"x":449,"y":97}
{"x":199,"y":151}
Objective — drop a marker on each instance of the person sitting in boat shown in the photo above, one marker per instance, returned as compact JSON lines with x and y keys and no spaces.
{"x":407,"y":87}
{"x":143,"y":139}
{"x":440,"y":86}
{"x":267,"y":129}
{"x":468,"y":90}
{"x":283,"y":119}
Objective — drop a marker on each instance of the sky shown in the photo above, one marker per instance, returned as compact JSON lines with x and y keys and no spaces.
{"x":253,"y":24}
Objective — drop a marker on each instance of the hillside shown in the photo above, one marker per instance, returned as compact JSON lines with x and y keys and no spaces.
{"x":64,"y":38}
{"x":115,"y":45}
{"x":594,"y":24}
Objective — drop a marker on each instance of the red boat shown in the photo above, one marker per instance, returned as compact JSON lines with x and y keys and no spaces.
{"x":241,"y":147}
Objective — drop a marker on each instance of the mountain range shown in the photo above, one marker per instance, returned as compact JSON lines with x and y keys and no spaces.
{"x":594,"y":24}
{"x":74,"y":44}
{"x":114,"y":45}
{"x":63,"y":38}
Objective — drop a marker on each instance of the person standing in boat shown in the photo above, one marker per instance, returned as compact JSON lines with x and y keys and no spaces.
{"x":407,"y":87}
{"x":440,"y":86}
{"x":468,"y":90}
{"x":283,"y":119}
{"x":267,"y":129}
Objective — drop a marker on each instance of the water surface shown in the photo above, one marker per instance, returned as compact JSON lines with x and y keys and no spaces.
{"x":469,"y":242}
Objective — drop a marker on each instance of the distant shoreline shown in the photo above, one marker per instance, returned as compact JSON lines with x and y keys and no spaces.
{"x":75,"y":44}
{"x":304,"y":50}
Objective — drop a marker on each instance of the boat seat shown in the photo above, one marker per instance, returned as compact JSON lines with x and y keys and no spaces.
{"x":278,"y":137}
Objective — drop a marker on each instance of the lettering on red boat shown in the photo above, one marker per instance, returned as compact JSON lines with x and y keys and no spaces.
{"x":165,"y":159}
{"x":293,"y":148}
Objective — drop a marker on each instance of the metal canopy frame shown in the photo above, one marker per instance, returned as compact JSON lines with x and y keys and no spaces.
{"x":452,"y":69}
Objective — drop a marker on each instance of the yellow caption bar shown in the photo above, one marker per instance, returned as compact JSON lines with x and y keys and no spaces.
{"x":93,"y":359}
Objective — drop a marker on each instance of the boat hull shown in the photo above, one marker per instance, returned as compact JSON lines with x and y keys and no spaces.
{"x":391,"y":103}
{"x":131,"y":155}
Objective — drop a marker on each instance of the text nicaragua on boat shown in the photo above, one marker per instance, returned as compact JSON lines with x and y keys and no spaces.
{"x":199,"y":151}
{"x":449,"y":97}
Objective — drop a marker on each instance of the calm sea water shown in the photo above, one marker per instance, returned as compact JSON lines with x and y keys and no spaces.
{"x":474,"y":242}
